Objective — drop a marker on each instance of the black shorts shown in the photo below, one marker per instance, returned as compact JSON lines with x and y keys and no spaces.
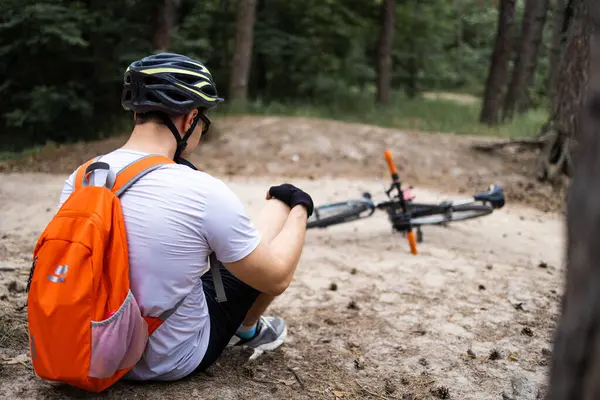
{"x":226,"y":317}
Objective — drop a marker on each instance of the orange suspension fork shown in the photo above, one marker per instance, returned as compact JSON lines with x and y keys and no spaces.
{"x":412,"y":242}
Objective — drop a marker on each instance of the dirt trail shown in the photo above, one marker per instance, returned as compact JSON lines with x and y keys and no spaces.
{"x":315,"y":149}
{"x":396,"y":326}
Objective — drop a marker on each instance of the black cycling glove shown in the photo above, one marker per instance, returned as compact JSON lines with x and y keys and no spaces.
{"x":292,"y":196}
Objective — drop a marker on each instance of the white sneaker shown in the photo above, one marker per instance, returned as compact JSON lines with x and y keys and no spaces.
{"x":270,"y":334}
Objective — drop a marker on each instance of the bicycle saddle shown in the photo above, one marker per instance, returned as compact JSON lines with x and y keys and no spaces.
{"x":494,"y":196}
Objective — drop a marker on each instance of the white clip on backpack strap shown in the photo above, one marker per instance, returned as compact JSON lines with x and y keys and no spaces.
{"x":217,"y":279}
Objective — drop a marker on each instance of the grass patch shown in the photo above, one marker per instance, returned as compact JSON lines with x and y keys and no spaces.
{"x":421,"y":114}
{"x":13,"y":155}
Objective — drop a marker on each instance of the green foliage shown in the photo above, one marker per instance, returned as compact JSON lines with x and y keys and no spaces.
{"x":314,"y":49}
{"x":439,"y":41}
{"x":63,"y":60}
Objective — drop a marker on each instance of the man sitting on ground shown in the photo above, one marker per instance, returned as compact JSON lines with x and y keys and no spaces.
{"x":177,"y":216}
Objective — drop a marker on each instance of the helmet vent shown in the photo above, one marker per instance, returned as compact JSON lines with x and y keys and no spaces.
{"x":176,"y":96}
{"x":188,"y":79}
{"x":152,"y":97}
{"x":150,"y":80}
{"x":209,"y":90}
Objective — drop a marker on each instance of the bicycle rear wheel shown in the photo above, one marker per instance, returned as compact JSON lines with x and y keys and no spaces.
{"x":439,"y":216}
{"x":338,"y":213}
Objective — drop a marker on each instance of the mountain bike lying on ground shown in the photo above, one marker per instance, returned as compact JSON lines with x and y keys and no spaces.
{"x":405,"y":215}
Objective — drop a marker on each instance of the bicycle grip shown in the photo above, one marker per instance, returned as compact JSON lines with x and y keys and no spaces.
{"x":390,"y":163}
{"x":412,"y":242}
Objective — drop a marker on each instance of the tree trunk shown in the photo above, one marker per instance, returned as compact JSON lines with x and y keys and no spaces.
{"x":575,"y":368}
{"x":534,"y":19}
{"x":497,"y":75}
{"x":384,"y":51}
{"x":242,"y":56}
{"x":258,"y":81}
{"x":556,"y":44}
{"x":165,"y":20}
{"x":572,"y":79}
{"x":413,"y":62}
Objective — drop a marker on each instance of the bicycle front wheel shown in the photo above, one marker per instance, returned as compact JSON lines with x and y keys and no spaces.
{"x":338,"y":213}
{"x":437,"y":216}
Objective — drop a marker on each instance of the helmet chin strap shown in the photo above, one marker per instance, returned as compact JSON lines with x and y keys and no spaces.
{"x":181,"y":142}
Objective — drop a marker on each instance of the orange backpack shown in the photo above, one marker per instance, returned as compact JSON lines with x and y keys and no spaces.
{"x":85,"y":326}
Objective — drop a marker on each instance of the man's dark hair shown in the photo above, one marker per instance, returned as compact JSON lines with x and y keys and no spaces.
{"x":148,"y":117}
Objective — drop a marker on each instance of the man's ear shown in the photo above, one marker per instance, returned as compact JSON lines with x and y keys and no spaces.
{"x":189,"y":119}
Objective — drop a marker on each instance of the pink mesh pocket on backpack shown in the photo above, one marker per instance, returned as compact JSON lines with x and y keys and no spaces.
{"x":119,"y":341}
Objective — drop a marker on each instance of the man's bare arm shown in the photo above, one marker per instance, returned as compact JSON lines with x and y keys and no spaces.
{"x":271,"y":266}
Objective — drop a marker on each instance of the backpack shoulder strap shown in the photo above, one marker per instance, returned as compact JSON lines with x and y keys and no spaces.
{"x":126,"y":177}
{"x":134,"y":171}
{"x":81,"y":173}
{"x":214,"y":266}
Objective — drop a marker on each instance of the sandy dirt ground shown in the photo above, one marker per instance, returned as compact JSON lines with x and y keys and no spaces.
{"x":471,"y":317}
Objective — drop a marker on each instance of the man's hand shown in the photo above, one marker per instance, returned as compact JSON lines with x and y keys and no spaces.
{"x":292,"y":196}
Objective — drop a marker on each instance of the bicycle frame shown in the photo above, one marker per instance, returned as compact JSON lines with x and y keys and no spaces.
{"x":396,"y":202}
{"x":404,"y":214}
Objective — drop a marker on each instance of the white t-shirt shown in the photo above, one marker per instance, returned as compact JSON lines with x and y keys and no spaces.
{"x":174,"y":218}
